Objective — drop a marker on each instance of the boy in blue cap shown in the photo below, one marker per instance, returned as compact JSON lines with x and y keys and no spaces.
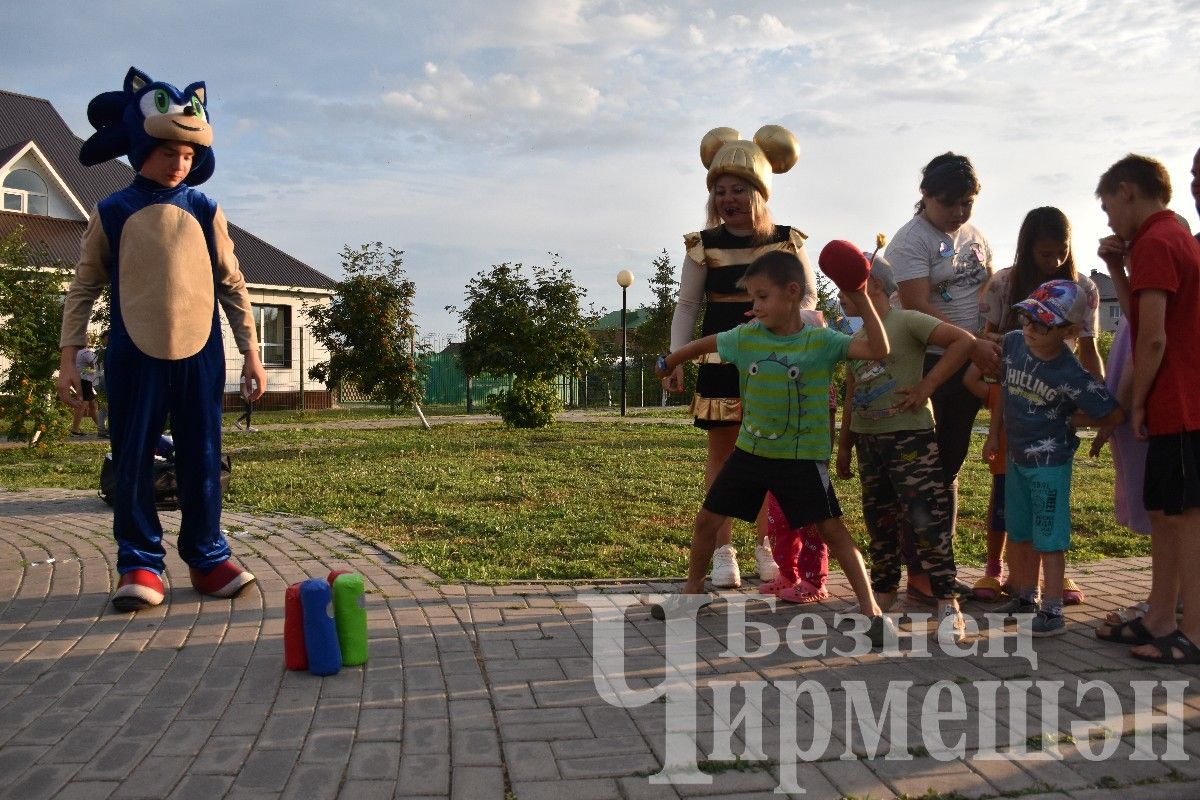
{"x":1046,"y":395}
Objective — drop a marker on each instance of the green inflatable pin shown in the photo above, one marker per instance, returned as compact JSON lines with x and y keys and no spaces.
{"x":350,"y":616}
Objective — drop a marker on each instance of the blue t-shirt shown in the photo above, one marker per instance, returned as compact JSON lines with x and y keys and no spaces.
{"x":785,"y":388}
{"x":1039,"y":398}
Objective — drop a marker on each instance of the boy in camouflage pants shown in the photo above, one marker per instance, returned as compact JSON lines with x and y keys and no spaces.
{"x":889,"y":420}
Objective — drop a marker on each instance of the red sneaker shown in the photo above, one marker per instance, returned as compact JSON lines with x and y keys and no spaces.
{"x":138,"y":589}
{"x":224,"y":580}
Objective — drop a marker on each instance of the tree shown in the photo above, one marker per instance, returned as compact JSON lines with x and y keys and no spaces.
{"x":530,"y":327}
{"x":32,"y":319}
{"x":653,"y":336}
{"x":368,"y":328}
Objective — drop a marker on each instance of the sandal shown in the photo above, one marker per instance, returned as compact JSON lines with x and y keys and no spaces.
{"x":804,"y":592}
{"x":1121,"y":615}
{"x":1166,"y":645}
{"x":1117,"y":633}
{"x":987,"y":589}
{"x":1072,"y":594}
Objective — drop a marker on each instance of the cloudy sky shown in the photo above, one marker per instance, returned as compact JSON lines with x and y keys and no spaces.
{"x":473,"y":133}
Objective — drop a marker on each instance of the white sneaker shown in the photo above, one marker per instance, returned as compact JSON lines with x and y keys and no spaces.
{"x":725,"y":573}
{"x":768,"y":570}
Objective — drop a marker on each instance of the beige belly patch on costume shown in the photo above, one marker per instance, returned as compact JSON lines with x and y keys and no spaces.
{"x":166,"y":282}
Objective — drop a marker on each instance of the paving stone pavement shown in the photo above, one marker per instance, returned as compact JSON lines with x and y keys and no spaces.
{"x":489,"y":691}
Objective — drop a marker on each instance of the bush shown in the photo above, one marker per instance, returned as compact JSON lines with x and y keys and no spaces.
{"x":30,"y":320}
{"x":530,"y":403}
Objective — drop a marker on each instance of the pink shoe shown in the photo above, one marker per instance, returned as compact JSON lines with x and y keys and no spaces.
{"x":776,"y":586}
{"x":804,"y":592}
{"x":224,"y":580}
{"x":138,"y":589}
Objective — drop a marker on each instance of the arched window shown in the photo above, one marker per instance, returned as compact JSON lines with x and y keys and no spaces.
{"x":25,"y":191}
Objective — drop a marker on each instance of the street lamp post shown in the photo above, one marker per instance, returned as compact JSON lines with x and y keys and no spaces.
{"x":624,"y":280}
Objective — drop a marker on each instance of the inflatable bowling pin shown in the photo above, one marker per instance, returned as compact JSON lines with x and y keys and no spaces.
{"x":320,"y":633}
{"x":350,"y":616}
{"x":294,"y":655}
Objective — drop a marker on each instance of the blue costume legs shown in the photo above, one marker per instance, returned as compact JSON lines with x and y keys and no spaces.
{"x":143,"y":391}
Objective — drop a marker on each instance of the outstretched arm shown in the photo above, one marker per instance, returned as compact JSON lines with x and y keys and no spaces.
{"x":689,"y":351}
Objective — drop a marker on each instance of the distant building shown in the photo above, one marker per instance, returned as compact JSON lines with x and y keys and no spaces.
{"x":49,"y":194}
{"x":608,"y":327}
{"x":1110,"y":309}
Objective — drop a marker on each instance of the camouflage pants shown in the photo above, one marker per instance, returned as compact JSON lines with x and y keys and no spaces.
{"x":904,"y":490}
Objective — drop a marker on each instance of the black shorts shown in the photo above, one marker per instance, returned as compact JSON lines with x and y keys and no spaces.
{"x":1172,"y":473}
{"x":803,"y":489}
{"x":87,"y":391}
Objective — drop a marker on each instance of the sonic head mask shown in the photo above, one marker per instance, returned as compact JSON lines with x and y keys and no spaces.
{"x":133,"y":121}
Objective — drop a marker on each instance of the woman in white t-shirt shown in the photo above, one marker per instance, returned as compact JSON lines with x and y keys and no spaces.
{"x":941,"y":262}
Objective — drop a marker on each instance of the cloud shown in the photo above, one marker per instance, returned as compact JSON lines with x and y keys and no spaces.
{"x":469,"y":133}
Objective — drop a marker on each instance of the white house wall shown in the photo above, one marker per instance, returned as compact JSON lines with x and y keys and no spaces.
{"x":58,"y":203}
{"x":303,"y":348}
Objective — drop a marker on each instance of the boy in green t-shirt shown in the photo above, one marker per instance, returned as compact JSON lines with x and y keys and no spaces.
{"x":889,"y":420}
{"x":783,"y":446}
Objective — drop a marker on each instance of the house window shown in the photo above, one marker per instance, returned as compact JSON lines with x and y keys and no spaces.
{"x":273,"y":326}
{"x":25,"y":191}
{"x":1114,"y":312}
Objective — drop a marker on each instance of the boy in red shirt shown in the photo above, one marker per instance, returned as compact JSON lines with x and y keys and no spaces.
{"x":1164,"y":283}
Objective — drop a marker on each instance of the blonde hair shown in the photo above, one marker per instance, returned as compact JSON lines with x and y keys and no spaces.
{"x":761,"y":222}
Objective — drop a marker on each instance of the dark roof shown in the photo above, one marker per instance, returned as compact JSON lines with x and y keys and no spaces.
{"x":1104,"y":285}
{"x":57,"y":239}
{"x":7,"y":153}
{"x":612,"y":320}
{"x":24,"y":119}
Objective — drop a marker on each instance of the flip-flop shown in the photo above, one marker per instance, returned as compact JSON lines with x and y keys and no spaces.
{"x":804,"y":592}
{"x":1072,"y":594}
{"x":1141,"y":634}
{"x":987,"y":589}
{"x":1177,"y":640}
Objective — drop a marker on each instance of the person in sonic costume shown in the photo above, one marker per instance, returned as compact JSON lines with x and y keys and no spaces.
{"x":165,"y":249}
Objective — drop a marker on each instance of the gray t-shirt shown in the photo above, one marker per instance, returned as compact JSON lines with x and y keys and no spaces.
{"x":957,"y":265}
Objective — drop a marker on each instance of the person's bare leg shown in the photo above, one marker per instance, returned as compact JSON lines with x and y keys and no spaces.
{"x":704,"y":538}
{"x":1174,"y":548}
{"x":841,"y":545}
{"x":1023,"y":564}
{"x":1054,"y":568}
{"x":720,"y":446}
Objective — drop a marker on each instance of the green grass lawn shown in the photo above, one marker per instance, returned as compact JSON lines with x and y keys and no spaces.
{"x":575,"y":501}
{"x":353,"y":412}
